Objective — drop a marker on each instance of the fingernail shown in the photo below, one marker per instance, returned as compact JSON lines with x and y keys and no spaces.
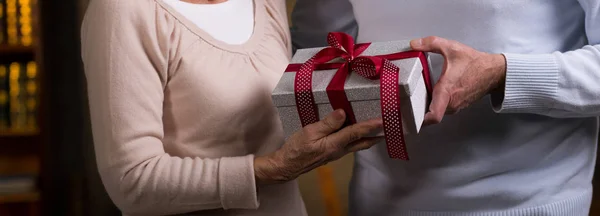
{"x":418,"y":42}
{"x":339,"y":115}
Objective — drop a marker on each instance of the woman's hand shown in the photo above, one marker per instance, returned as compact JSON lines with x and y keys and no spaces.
{"x":315,"y":145}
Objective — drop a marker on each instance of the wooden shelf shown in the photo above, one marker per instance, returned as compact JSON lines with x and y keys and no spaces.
{"x":19,"y":198}
{"x":7,"y":50}
{"x":18,"y":133}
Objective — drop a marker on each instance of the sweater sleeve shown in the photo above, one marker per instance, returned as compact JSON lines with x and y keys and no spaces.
{"x":125,"y":54}
{"x":557,"y":84}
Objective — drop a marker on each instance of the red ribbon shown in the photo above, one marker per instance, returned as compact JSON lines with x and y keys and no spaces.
{"x":342,"y":45}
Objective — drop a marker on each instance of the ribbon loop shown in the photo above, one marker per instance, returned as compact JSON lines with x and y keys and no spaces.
{"x":341,"y":41}
{"x":345,"y":43}
{"x":368,"y":67}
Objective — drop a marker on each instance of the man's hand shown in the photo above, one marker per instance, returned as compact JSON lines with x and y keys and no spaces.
{"x":466,"y":77}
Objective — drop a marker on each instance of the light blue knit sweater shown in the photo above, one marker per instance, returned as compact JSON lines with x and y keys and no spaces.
{"x":532,"y":154}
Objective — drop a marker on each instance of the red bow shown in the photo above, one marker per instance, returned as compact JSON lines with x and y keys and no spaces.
{"x":342,"y":45}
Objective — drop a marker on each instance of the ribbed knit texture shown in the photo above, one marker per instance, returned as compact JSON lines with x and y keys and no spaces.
{"x":578,"y":205}
{"x":531,"y":83}
{"x":233,"y":194}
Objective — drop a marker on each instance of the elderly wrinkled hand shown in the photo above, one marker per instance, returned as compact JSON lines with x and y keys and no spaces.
{"x":466,"y":77}
{"x":315,"y":145}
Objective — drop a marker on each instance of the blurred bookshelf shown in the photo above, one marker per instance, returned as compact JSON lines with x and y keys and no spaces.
{"x":11,"y":50}
{"x":20,"y":198}
{"x":20,"y":84}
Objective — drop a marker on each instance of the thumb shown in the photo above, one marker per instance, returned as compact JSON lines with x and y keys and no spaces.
{"x":430,"y":44}
{"x":328,"y":125}
{"x":439,"y":103}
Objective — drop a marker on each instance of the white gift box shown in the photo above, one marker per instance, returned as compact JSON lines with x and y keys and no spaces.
{"x":363,"y":93}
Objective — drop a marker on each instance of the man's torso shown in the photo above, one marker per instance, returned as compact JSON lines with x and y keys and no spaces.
{"x":477,"y":160}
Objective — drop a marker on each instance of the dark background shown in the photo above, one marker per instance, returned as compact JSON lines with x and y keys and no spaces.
{"x":70,"y":184}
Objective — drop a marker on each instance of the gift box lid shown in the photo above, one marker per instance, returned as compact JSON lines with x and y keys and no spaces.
{"x":357,"y":88}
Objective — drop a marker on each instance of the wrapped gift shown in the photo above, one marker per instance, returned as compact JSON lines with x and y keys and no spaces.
{"x":369,"y":80}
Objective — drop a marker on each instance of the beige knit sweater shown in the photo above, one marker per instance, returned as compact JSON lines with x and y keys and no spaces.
{"x":178,"y":116}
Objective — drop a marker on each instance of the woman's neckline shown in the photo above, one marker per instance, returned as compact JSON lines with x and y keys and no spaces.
{"x":186,"y":1}
{"x":203,"y":5}
{"x":246,"y":47}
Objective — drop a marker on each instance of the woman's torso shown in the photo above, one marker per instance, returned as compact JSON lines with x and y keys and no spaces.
{"x":226,"y":88}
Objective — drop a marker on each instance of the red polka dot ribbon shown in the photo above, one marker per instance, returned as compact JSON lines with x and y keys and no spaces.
{"x":342,"y":45}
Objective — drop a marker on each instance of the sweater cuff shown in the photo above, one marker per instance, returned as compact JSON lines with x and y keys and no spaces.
{"x":531,"y":84}
{"x":237,"y":184}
